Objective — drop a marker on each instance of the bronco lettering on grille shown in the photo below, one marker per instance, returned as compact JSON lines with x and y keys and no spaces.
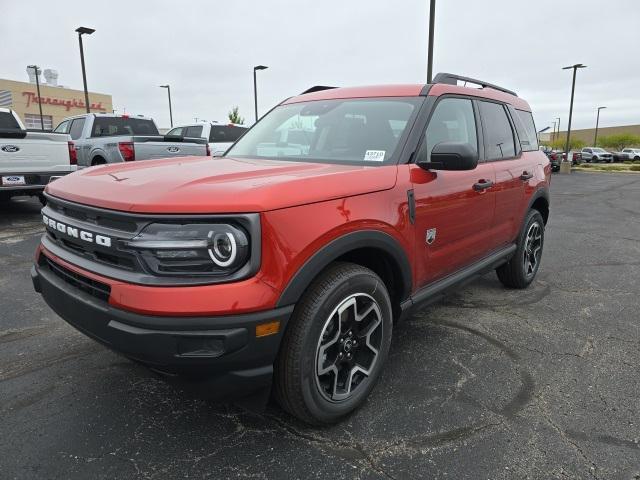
{"x":74,"y":232}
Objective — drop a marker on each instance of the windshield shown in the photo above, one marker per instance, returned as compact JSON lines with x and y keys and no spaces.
{"x":364,"y":131}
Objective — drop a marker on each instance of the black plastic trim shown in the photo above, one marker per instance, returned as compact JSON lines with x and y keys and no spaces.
{"x":437,"y":289}
{"x":340,"y":246}
{"x":452,"y":79}
{"x":411,"y":200}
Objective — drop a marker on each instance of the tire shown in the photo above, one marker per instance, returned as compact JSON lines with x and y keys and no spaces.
{"x":594,"y":159}
{"x":312,"y":337}
{"x":520,"y":271}
{"x":98,"y":161}
{"x":636,"y":158}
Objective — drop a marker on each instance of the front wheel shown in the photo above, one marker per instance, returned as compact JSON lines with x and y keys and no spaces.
{"x":520,"y":271}
{"x":335,"y":345}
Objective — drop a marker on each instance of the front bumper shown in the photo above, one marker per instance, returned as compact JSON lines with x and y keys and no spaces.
{"x":222,"y":351}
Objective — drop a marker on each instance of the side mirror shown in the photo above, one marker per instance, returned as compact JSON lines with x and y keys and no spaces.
{"x":451,"y":156}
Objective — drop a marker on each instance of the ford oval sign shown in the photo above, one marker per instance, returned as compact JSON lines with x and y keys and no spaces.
{"x":173,"y":149}
{"x":10,"y":148}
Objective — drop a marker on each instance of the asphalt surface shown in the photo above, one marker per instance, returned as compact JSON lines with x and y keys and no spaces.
{"x":489,"y":384}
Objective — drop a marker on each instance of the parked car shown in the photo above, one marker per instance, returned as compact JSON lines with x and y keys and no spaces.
{"x":576,"y":157}
{"x":108,"y":138}
{"x":627,"y":154}
{"x":292,"y":267}
{"x":554,"y":158}
{"x":220,"y":136}
{"x":595,"y":154}
{"x":30,"y":160}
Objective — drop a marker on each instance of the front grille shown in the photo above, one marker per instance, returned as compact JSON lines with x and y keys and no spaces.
{"x":92,"y":287}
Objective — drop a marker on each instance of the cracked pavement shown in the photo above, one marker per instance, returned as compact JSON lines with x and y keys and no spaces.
{"x":489,"y":383}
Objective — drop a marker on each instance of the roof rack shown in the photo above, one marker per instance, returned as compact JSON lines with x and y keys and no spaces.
{"x":317,"y":88}
{"x":452,"y":79}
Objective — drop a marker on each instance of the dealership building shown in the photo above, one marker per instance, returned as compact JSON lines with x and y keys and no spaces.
{"x":58,"y":102}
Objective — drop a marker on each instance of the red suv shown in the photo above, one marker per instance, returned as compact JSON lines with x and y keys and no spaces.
{"x":288,"y":259}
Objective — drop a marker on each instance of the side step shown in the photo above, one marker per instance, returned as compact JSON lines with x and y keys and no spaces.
{"x":437,"y":290}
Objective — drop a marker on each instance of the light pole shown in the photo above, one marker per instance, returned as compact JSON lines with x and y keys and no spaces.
{"x":81,"y":31}
{"x":558,"y":134}
{"x":595,"y":137}
{"x":432,"y":17}
{"x":170,"y":110}
{"x":36,"y":69}
{"x":255,"y":87}
{"x":553,"y":137}
{"x":573,"y":88}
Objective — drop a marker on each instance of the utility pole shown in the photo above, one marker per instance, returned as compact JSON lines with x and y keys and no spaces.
{"x":567,"y":168}
{"x":36,"y":69}
{"x":81,"y":31}
{"x":170,"y":110}
{"x":595,"y":137}
{"x":255,"y":87}
{"x":432,"y":18}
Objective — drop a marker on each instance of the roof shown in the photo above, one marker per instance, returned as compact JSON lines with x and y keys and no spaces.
{"x":409,"y":90}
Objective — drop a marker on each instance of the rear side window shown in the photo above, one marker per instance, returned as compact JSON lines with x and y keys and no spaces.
{"x":193,"y":131}
{"x":112,"y":126}
{"x":7,"y":121}
{"x":63,"y":127}
{"x":526,"y":130}
{"x":452,"y":121}
{"x":177,"y":131}
{"x":225,"y":133}
{"x":498,"y":135}
{"x":76,"y":128}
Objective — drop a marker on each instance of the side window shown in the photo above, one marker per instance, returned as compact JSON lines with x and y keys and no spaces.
{"x":498,"y":135}
{"x":526,"y":130}
{"x":452,"y":121}
{"x":76,"y":128}
{"x":193,"y":131}
{"x":177,"y":131}
{"x":63,"y":127}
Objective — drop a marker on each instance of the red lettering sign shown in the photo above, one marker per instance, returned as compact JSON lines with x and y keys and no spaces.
{"x":60,"y":102}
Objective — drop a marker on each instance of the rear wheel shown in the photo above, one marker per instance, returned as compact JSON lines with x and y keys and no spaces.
{"x":520,"y":271}
{"x":335,"y":345}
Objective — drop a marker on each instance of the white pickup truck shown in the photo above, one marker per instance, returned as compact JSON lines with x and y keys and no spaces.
{"x":101,"y":138}
{"x":30,"y":160}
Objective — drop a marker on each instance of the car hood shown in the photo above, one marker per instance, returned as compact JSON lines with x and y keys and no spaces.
{"x":217,"y":185}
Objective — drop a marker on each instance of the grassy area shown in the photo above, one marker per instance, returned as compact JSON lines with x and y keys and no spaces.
{"x":605,"y":167}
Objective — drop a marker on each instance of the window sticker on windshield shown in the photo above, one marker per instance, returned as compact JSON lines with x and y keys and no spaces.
{"x":374,"y":155}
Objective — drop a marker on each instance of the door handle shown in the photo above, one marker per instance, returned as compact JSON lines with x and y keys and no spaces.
{"x":482,"y":185}
{"x":526,"y":175}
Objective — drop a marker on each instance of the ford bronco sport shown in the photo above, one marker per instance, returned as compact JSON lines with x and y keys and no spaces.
{"x":288,"y":262}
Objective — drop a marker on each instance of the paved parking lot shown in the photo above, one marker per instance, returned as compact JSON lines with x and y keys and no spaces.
{"x":488,"y":384}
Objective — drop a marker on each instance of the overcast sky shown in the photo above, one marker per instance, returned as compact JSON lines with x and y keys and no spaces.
{"x":206,"y":50}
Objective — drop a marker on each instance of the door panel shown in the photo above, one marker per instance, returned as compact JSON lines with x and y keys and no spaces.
{"x":510,"y":194}
{"x":461,"y":216}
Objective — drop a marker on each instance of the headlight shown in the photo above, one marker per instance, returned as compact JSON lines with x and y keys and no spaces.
{"x":192,"y":249}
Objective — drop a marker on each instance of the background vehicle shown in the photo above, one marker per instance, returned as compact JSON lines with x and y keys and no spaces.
{"x":220,"y":136}
{"x":107,"y":138}
{"x":29,"y":160}
{"x":627,"y":154}
{"x":290,"y":265}
{"x":595,"y":154}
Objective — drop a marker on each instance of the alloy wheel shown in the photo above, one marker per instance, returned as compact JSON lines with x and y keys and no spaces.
{"x":348,"y":347}
{"x":532,"y":249}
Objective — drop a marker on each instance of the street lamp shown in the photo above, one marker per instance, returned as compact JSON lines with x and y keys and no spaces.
{"x":36,"y":69}
{"x":553,"y":137}
{"x":170,"y":110}
{"x":595,"y":137}
{"x":573,"y":88}
{"x":255,"y":87}
{"x":432,"y":17}
{"x":81,"y":31}
{"x":558,"y":134}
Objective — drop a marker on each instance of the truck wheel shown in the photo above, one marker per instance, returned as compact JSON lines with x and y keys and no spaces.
{"x":520,"y":271}
{"x":335,"y":345}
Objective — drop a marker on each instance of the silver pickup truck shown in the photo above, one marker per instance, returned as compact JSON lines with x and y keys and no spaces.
{"x":101,"y":138}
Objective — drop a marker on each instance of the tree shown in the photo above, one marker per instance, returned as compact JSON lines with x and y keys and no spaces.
{"x":619,"y":141}
{"x":234,"y":116}
{"x":561,"y":143}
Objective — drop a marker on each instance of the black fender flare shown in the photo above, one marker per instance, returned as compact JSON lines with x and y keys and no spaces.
{"x":542,"y":192}
{"x":340,"y":246}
